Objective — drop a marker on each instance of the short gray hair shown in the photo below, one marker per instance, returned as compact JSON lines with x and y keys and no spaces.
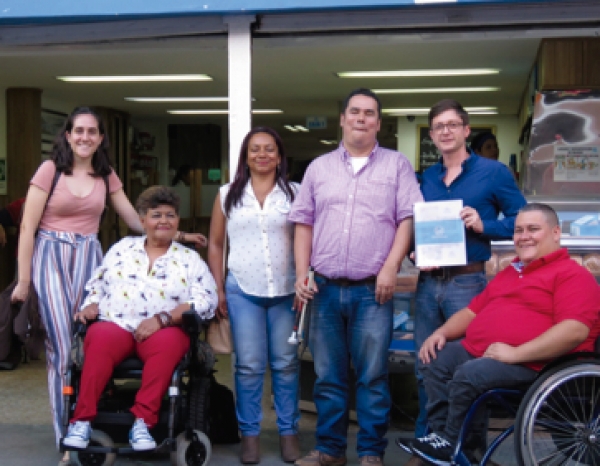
{"x":154,"y":196}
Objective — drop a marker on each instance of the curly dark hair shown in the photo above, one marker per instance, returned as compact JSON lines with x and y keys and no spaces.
{"x":62,"y":154}
{"x":155,"y":196}
{"x":242,"y":175}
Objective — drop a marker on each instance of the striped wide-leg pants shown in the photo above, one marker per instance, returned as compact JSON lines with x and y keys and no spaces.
{"x":62,"y":264}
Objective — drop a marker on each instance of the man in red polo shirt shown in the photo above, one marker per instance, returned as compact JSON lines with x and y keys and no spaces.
{"x":542,"y":306}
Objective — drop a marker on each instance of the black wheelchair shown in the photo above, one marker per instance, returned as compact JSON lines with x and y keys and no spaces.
{"x":556,"y":419}
{"x":183,"y":419}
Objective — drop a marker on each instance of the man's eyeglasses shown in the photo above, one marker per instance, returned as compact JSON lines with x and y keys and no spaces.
{"x":452,"y":126}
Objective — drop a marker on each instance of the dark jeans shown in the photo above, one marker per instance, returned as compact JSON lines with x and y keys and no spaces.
{"x":436,"y":301}
{"x":455,"y":379}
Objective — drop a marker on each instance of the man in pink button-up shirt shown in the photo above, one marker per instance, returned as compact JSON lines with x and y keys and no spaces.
{"x":353,"y":220}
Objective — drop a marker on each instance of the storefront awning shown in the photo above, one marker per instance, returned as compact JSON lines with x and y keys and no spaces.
{"x":44,"y":11}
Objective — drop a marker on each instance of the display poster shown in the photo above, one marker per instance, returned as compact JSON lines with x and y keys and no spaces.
{"x":439,"y":234}
{"x":576,"y":163}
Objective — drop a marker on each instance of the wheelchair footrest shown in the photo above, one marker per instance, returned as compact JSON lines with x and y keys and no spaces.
{"x":115,"y":418}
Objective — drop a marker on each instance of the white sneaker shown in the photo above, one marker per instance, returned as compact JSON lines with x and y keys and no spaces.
{"x":78,"y":435}
{"x":139,"y":437}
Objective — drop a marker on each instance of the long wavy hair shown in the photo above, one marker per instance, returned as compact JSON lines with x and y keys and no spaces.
{"x":242,"y":175}
{"x":62,"y":154}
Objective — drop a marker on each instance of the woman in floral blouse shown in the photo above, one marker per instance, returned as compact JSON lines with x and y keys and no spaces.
{"x":139,"y":294}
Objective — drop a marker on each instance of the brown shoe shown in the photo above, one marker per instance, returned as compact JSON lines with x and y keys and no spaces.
{"x":370,"y":461}
{"x":290,"y":447}
{"x":318,"y":458}
{"x":250,"y":450}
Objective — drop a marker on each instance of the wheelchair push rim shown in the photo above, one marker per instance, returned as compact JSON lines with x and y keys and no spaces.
{"x":558,"y":421}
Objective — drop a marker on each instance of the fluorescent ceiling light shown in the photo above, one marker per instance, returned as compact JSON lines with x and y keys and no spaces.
{"x":328,"y":142}
{"x":139,"y":78}
{"x":425,"y":111}
{"x":489,"y":112}
{"x":291,"y":128}
{"x":221,"y":112}
{"x":416,"y":73}
{"x":178,"y":99}
{"x":301,"y":128}
{"x":435,"y":90}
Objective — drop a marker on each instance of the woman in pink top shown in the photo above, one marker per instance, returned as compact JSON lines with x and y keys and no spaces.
{"x":58,"y":246}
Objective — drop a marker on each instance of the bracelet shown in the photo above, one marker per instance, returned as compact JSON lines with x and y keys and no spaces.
{"x":160,"y":322}
{"x":180,"y":237}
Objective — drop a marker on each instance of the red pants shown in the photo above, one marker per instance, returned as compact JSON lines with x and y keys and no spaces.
{"x":106,"y":345}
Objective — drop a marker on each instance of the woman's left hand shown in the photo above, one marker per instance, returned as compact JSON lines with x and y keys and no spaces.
{"x":197,"y":239}
{"x":146,"y":329}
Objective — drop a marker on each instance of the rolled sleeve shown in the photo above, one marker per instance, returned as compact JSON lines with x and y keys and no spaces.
{"x":408,"y":191}
{"x":303,"y":207}
{"x":203,"y":290}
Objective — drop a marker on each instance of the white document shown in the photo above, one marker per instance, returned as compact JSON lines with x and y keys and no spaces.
{"x":439,"y":234}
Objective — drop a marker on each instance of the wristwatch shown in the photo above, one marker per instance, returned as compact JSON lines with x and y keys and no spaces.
{"x":164,"y":319}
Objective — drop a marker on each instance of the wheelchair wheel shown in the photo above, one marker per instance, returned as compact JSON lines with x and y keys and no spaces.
{"x":199,"y":403}
{"x":194,"y":452}
{"x":558,"y":419}
{"x":98,"y":438}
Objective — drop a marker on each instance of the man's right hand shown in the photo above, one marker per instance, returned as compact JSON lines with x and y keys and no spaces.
{"x":431,"y":346}
{"x":422,"y":269}
{"x":303,"y":292}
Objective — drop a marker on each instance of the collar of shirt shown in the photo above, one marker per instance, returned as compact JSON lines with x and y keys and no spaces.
{"x":537,"y":263}
{"x":466,"y":165}
{"x":140,"y":241}
{"x":250,"y":191}
{"x":346,"y":156}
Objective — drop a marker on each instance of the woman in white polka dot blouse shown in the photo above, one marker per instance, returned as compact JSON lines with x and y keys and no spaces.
{"x":258,"y":292}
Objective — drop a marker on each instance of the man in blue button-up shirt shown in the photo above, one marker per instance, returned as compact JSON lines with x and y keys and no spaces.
{"x":487,"y":188}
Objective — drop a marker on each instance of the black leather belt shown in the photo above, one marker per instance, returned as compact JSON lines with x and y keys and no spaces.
{"x":448,"y":272}
{"x":345,"y":282}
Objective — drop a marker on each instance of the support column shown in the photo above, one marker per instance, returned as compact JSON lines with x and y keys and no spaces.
{"x":23,"y":138}
{"x":240,"y":84}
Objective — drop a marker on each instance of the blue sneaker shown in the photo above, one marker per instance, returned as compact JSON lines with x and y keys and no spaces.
{"x":139,"y":437}
{"x":78,"y":435}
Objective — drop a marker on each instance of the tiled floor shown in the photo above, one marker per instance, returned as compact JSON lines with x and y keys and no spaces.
{"x":28,"y":440}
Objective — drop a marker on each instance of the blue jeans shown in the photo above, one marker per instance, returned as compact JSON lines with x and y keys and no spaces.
{"x":436,"y":301}
{"x":348,"y":326}
{"x":260,"y":327}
